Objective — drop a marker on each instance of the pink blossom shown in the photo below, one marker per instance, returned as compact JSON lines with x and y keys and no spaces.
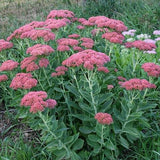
{"x":36,"y":101}
{"x":138,"y":84}
{"x":80,"y":27}
{"x":113,"y":37}
{"x":63,"y":48}
{"x":28,"y":27}
{"x":61,"y":68}
{"x":23,"y":81}
{"x":40,"y":49}
{"x":110,"y":87}
{"x":60,"y":73}
{"x":141,"y":45}
{"x":51,"y":103}
{"x":3,"y":77}
{"x":55,"y":23}
{"x":88,"y":58}
{"x":68,"y":42}
{"x":60,"y":14}
{"x":156,"y":32}
{"x":5,"y":45}
{"x":121,"y":78}
{"x":77,"y":48}
{"x":34,"y":34}
{"x":8,"y":65}
{"x":29,"y":64}
{"x":104,"y":118}
{"x":94,"y":32}
{"x":43,"y":62}
{"x":74,"y":36}
{"x":152,"y":69}
{"x":103,"y":69}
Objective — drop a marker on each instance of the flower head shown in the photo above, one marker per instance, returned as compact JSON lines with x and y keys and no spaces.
{"x":3,"y":77}
{"x":88,"y":58}
{"x":152,"y":69}
{"x":138,"y":84}
{"x":8,"y":65}
{"x":23,"y":81}
{"x":5,"y":45}
{"x":36,"y":101}
{"x":104,"y":118}
{"x":40,"y":49}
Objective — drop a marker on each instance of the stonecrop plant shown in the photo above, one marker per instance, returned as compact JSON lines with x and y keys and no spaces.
{"x":87,"y":85}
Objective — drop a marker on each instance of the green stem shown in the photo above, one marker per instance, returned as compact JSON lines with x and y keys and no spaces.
{"x":46,"y":76}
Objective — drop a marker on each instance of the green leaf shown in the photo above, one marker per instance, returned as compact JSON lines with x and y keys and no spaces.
{"x":86,"y":130}
{"x":60,"y":154}
{"x":82,"y":117}
{"x":93,"y":137}
{"x":73,"y":90}
{"x":132,"y":131}
{"x":68,"y":139}
{"x":78,"y":144}
{"x":109,"y":145}
{"x":124,"y":142}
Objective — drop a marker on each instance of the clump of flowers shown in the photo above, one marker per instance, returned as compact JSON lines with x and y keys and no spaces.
{"x":29,"y":64}
{"x":80,"y":27}
{"x":60,"y":14}
{"x":156,"y":32}
{"x":36,"y":101}
{"x":67,"y":42}
{"x":60,"y":70}
{"x":109,"y":87}
{"x":138,"y":84}
{"x":43,"y":62}
{"x":141,"y":45}
{"x":103,"y":69}
{"x":55,"y":23}
{"x":28,"y":27}
{"x":8,"y":65}
{"x":143,"y":36}
{"x":5,"y":45}
{"x":129,"y":33}
{"x":34,"y":34}
{"x":88,"y":58}
{"x":23,"y":81}
{"x":40,"y":49}
{"x":94,"y":32}
{"x":113,"y":37}
{"x":3,"y":77}
{"x":104,"y":118}
{"x":74,"y":36}
{"x":152,"y":69}
{"x":87,"y":42}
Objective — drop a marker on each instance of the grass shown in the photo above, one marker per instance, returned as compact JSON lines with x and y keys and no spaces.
{"x":142,"y":15}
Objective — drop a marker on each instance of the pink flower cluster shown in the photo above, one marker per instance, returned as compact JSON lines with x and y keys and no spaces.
{"x":23,"y":81}
{"x":65,"y":43}
{"x":28,"y":27}
{"x":60,"y":70}
{"x":35,"y":99}
{"x":29,"y":64}
{"x":8,"y":65}
{"x":60,"y":14}
{"x":5,"y":44}
{"x":104,"y":118}
{"x":88,"y":58}
{"x":138,"y":84}
{"x":55,"y":23}
{"x":156,"y":32}
{"x":103,"y":69}
{"x":34,"y":34}
{"x":94,"y":32}
{"x":141,"y":45}
{"x":40,"y":49}
{"x":87,"y":42}
{"x":43,"y":62}
{"x":74,"y":36}
{"x":102,"y":21}
{"x":3,"y":77}
{"x":130,"y":32}
{"x":152,"y":69}
{"x":113,"y":37}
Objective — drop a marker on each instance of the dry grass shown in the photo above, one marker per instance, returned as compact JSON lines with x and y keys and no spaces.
{"x":15,"y":13}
